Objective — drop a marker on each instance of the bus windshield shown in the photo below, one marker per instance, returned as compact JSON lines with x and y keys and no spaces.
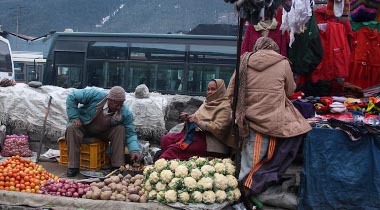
{"x":6,"y":63}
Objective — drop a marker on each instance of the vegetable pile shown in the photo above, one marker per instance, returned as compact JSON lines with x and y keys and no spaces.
{"x":20,"y":174}
{"x":197,"y":180}
{"x":16,"y":145}
{"x":64,"y":187}
{"x":120,"y":188}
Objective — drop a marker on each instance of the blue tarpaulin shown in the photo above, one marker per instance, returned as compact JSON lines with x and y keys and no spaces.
{"x":340,"y":173}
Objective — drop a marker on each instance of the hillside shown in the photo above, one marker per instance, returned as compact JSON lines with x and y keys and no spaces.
{"x":37,"y":17}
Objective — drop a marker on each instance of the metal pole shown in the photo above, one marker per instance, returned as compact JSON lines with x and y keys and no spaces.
{"x":235,"y":98}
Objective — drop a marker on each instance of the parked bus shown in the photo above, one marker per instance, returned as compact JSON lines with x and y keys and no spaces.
{"x":28,"y":66}
{"x":166,"y":63}
{"x":6,"y":62}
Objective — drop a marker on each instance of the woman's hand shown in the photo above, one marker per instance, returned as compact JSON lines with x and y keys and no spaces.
{"x":184,"y":116}
{"x":194,"y":119}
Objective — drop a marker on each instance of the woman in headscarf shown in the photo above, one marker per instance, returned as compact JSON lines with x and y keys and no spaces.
{"x":206,"y":132}
{"x":270,"y":128}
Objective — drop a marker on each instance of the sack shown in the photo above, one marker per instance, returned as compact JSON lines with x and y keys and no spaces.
{"x":16,"y":145}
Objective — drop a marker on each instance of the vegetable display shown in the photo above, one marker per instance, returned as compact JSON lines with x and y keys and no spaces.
{"x":197,"y":180}
{"x":64,"y":187}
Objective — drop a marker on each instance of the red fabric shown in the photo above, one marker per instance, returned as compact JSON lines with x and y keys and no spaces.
{"x":336,"y":58}
{"x":251,"y":36}
{"x":171,"y":149}
{"x":365,"y":67}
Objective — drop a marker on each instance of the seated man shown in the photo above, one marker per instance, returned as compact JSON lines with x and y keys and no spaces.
{"x":102,"y":115}
{"x":207,"y":131}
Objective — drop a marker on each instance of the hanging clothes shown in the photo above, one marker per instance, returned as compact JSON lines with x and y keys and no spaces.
{"x":336,"y":59}
{"x":364,"y":70}
{"x":271,"y":29}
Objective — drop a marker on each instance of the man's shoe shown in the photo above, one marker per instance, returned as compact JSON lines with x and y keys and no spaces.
{"x":71,"y":172}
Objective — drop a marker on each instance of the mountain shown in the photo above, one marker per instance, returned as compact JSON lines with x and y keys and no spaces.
{"x":38,"y":17}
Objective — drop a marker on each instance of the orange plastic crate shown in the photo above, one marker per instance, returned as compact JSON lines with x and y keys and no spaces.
{"x":92,"y":156}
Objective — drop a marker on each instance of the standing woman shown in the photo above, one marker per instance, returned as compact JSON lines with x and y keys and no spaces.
{"x":272,"y":128}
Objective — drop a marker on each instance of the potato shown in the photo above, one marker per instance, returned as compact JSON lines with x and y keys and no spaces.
{"x":125,"y":183}
{"x":93,"y":188}
{"x":123,"y":192}
{"x":93,"y":184}
{"x":138,"y":188}
{"x":112,"y":198}
{"x":132,"y":190}
{"x":139,"y":176}
{"x":89,"y":194}
{"x":105,"y":195}
{"x":112,"y":186}
{"x":138,"y":182}
{"x":96,"y":194}
{"x":134,"y":198}
{"x":128,"y":176}
{"x":107,"y":181}
{"x":115,"y":179}
{"x":133,"y":179}
{"x":83,"y":196}
{"x":120,"y":176}
{"x":100,"y":185}
{"x":127,"y":200}
{"x":120,"y":187}
{"x":120,"y":197}
{"x":143,"y":199}
{"x":106,"y":188}
{"x":141,"y":193}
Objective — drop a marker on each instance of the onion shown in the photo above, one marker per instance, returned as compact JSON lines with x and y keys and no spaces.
{"x":75,"y":195}
{"x":63,"y":194}
{"x":66,"y":186}
{"x":69,"y":194}
{"x":62,"y":180}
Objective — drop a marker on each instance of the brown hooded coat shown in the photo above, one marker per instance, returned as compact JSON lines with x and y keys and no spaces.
{"x":269,"y":83}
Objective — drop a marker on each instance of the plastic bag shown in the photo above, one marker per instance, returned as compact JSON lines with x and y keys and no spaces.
{"x":16,"y":145}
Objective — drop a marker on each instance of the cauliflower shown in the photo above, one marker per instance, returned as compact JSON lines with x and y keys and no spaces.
{"x":181,"y":171}
{"x":160,"y":164}
{"x":161,"y":196}
{"x":148,"y":185}
{"x":148,"y":170}
{"x":191,"y":164}
{"x":152,"y":195}
{"x":160,"y":186}
{"x":166,"y":176}
{"x":175,"y":183}
{"x":208,"y":197}
{"x":208,"y":170}
{"x":190,"y":183}
{"x":221,"y":196}
{"x":196,"y":174}
{"x":205,"y":183}
{"x":220,"y":168}
{"x":171,"y":196}
{"x":232,"y":181}
{"x":227,"y":160}
{"x":220,"y":181}
{"x":233,"y":195}
{"x":214,"y":161}
{"x":201,"y":161}
{"x":153,"y":177}
{"x":173,"y":164}
{"x":230,"y":169}
{"x":184,"y":197}
{"x":196,"y":197}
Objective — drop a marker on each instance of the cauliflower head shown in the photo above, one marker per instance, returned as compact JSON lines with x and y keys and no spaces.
{"x":166,"y":176}
{"x":160,"y":164}
{"x":171,"y":196}
{"x":161,"y":196}
{"x":196,"y":174}
{"x":214,"y":161}
{"x":220,"y":168}
{"x":230,"y":169}
{"x":181,"y":171}
{"x":227,"y":160}
{"x":153,"y":177}
{"x":196,"y":197}
{"x":220,"y":181}
{"x":190,"y":183}
{"x":232,"y":181}
{"x":148,"y":185}
{"x":160,"y":186}
{"x":208,"y":197}
{"x":205,"y":183}
{"x":152,"y":195}
{"x":175,"y":183}
{"x":147,"y":170}
{"x":184,"y":197}
{"x":208,"y":170}
{"x":233,"y":195}
{"x":220,"y":196}
{"x":173,"y":164}
{"x":201,"y":161}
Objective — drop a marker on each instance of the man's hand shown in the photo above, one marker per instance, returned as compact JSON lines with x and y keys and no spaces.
{"x":77,"y":123}
{"x":136,"y":156}
{"x":184,"y":116}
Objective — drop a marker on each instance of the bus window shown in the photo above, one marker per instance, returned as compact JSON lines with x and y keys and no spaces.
{"x":6,"y":63}
{"x":157,"y":52}
{"x":105,"y":74}
{"x":19,"y":72}
{"x":107,"y":50}
{"x":212,"y":54}
{"x":69,"y":76}
{"x":200,"y":76}
{"x":164,"y":77}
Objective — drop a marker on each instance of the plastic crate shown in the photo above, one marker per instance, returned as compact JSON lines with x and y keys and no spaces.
{"x":92,"y":156}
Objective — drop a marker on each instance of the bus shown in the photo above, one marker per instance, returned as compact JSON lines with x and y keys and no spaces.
{"x":6,"y":62}
{"x":28,"y":66}
{"x":165,"y":63}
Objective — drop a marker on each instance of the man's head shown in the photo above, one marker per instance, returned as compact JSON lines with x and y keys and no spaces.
{"x":265,"y":43}
{"x":116,"y":98}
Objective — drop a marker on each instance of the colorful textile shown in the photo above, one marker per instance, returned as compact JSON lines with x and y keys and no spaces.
{"x":364,"y":10}
{"x":171,"y":149}
{"x":188,"y":139}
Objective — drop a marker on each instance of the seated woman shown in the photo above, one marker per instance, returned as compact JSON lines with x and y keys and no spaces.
{"x":206,"y":132}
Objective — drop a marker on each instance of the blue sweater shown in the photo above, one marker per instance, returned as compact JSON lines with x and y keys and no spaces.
{"x":89,"y":98}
